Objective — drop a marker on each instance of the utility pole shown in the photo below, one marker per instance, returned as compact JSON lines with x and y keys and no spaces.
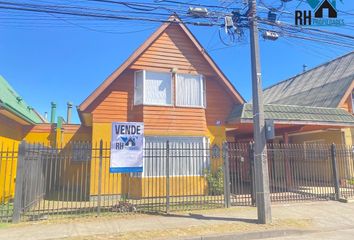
{"x":260,"y":147}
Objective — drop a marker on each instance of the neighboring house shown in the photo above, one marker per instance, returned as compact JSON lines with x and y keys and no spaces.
{"x":172,"y":85}
{"x":328,"y":87}
{"x":16,"y":118}
{"x":315,"y":106}
{"x":19,"y":121}
{"x":15,"y":115}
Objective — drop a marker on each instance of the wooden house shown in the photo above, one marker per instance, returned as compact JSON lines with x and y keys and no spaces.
{"x":172,"y":85}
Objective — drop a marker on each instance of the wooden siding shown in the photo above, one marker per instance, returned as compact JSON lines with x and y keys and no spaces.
{"x":174,"y":119}
{"x":347,"y":104}
{"x":9,"y":129}
{"x":219,"y":104}
{"x":117,"y":102}
{"x":172,"y":49}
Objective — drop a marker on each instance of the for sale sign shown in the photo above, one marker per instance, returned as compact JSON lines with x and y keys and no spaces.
{"x":127,"y":147}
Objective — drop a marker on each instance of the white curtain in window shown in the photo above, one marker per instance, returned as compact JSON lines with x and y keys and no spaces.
{"x":138,"y":87}
{"x":157,"y":88}
{"x":189,"y":156}
{"x":189,"y":90}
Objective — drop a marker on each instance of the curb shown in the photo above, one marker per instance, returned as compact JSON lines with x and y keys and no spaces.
{"x":254,"y":235}
{"x":345,"y":200}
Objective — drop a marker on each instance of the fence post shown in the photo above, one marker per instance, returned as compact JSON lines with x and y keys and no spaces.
{"x":227,"y":184}
{"x":20,"y":171}
{"x":167,"y":177}
{"x":335,"y":172}
{"x":251,"y":157}
{"x":100,"y":178}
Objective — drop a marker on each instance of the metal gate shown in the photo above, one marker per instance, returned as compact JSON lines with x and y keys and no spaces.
{"x":297,"y":172}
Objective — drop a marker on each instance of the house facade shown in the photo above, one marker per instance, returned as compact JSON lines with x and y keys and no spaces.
{"x":172,"y":85}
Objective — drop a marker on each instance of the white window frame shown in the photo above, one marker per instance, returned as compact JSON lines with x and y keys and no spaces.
{"x":143,"y":91}
{"x":202,"y":89}
{"x":135,"y":87}
{"x":162,"y":140}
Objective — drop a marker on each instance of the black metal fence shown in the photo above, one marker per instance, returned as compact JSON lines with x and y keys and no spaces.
{"x":8,"y":156}
{"x":297,"y":172}
{"x":300,"y":172}
{"x":75,"y":180}
{"x":345,"y":161}
{"x":178,"y":175}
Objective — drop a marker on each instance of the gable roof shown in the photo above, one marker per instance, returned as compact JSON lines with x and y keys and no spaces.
{"x":12,"y":102}
{"x":172,"y":20}
{"x":324,"y":86}
{"x":287,"y":114}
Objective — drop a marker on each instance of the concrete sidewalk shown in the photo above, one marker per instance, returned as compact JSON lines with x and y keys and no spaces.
{"x":290,"y":219}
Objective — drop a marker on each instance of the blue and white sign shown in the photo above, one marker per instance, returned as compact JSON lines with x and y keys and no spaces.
{"x":127,"y":147}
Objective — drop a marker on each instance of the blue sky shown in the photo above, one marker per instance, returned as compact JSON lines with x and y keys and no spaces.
{"x":66,"y":62}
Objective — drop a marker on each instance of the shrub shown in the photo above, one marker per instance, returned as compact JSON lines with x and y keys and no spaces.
{"x":215,"y":181}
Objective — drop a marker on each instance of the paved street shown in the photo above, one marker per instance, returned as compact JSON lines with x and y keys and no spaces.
{"x":315,"y":220}
{"x":344,"y":234}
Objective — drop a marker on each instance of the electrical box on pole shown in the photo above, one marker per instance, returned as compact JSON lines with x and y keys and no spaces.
{"x":272,"y":17}
{"x":270,"y":130}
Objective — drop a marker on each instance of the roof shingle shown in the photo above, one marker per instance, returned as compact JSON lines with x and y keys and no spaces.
{"x":12,"y":101}
{"x":323,"y":86}
{"x":294,"y":114}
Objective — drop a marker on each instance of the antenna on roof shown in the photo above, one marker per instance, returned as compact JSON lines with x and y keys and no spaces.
{"x":304,"y":68}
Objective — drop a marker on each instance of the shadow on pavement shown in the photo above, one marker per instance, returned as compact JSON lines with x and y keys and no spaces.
{"x":202,"y":217}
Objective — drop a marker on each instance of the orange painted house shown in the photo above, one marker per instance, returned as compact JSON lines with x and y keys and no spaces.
{"x":172,"y":85}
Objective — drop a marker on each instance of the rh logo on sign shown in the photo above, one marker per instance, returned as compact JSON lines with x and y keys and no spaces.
{"x":323,"y":13}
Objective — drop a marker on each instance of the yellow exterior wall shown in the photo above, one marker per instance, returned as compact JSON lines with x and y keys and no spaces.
{"x":329,"y":137}
{"x":347,"y":135}
{"x":142,"y":187}
{"x":70,"y":171}
{"x":339,"y":137}
{"x":216,"y":135}
{"x":8,"y":166}
{"x":156,"y":186}
{"x":111,"y":183}
{"x":10,"y":137}
{"x":45,"y":138}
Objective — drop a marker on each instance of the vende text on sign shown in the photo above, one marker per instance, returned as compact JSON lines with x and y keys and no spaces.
{"x":127,"y":147}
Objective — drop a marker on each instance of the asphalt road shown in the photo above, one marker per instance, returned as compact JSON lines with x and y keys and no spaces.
{"x":338,"y":234}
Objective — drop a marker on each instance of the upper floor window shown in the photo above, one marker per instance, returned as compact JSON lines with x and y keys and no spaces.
{"x":152,"y":88}
{"x":157,"y":88}
{"x":190,"y":90}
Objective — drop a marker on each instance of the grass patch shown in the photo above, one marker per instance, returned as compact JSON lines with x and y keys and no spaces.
{"x":4,"y":225}
{"x":351,"y":181}
{"x":6,"y":209}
